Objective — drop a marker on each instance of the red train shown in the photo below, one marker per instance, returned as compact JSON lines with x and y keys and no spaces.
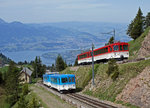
{"x":119,"y":50}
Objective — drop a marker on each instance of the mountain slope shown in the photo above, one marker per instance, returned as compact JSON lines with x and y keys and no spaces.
{"x":135,"y":45}
{"x":18,"y":36}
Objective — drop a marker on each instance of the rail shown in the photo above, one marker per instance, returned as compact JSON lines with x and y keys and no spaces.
{"x":77,"y":99}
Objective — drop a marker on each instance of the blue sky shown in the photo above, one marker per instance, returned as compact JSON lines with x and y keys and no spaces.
{"x":39,"y":11}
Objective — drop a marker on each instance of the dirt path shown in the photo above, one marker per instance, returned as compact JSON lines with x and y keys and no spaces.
{"x":50,"y":99}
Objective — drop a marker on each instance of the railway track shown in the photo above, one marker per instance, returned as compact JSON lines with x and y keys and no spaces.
{"x":91,"y":102}
{"x":78,"y":100}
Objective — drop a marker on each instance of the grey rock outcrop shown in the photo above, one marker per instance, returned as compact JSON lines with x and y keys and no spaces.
{"x":137,"y":91}
{"x":145,"y":47}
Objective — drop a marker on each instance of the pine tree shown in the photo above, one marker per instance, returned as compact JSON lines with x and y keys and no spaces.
{"x":135,"y":29}
{"x":1,"y":79}
{"x":60,"y":64}
{"x":12,"y":83}
{"x":111,"y":40}
{"x":39,"y":69}
{"x":147,"y":20}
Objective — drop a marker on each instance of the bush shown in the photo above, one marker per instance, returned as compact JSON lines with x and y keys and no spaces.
{"x":25,"y":89}
{"x":111,"y":66}
{"x":22,"y":103}
{"x":115,"y":74}
{"x":33,"y":103}
{"x":113,"y":69}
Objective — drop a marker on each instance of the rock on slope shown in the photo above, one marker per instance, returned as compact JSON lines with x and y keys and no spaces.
{"x":145,"y":47}
{"x":137,"y":91}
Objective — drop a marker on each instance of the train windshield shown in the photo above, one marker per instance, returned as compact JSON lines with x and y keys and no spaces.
{"x":73,"y":79}
{"x":69,"y":79}
{"x":116,"y":47}
{"x":125,"y":47}
{"x":64,"y":80}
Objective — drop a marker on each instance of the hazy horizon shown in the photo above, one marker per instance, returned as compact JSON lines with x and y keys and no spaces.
{"x":52,"y":11}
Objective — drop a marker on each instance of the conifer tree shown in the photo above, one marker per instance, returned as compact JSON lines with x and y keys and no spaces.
{"x":12,"y":83}
{"x":111,"y":40}
{"x":135,"y":29}
{"x":147,"y":20}
{"x":39,"y":69}
{"x":60,"y":64}
{"x":1,"y":79}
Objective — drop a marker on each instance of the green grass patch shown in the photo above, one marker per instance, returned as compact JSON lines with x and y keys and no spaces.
{"x":51,"y":94}
{"x":135,"y":45}
{"x":126,"y":104}
{"x":83,"y":75}
{"x":29,"y":97}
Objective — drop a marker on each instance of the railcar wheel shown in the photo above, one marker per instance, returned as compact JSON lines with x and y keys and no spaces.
{"x":121,"y":57}
{"x":61,"y":92}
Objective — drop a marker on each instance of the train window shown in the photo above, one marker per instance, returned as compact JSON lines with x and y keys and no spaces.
{"x":125,"y":47}
{"x":97,"y":52}
{"x":58,"y":80}
{"x":83,"y":56}
{"x":52,"y":80}
{"x":116,"y":48}
{"x":64,"y":80}
{"x":120,"y":47}
{"x":69,"y":79}
{"x":106,"y":50}
{"x":110,"y":48}
{"x":55,"y":80}
{"x":72,"y":79}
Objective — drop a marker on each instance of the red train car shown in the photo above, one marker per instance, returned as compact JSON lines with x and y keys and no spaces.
{"x":119,"y":50}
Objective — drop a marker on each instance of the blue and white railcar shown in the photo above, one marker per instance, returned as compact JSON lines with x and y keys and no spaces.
{"x":46,"y":79}
{"x":61,"y":82}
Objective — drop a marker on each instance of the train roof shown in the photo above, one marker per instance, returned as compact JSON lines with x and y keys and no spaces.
{"x":60,"y":75}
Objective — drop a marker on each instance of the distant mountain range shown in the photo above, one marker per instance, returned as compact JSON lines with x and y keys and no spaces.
{"x":61,"y":37}
{"x":17,"y":36}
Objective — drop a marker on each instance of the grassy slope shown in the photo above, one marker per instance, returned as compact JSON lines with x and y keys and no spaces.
{"x":83,"y":75}
{"x":136,"y":44}
{"x":106,"y":89}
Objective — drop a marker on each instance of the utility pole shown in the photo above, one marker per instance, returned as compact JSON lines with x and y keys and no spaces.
{"x":114,"y":34}
{"x":36,"y":71}
{"x":93,"y":65}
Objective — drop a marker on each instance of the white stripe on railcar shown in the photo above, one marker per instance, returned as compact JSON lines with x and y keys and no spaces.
{"x":105,"y":56}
